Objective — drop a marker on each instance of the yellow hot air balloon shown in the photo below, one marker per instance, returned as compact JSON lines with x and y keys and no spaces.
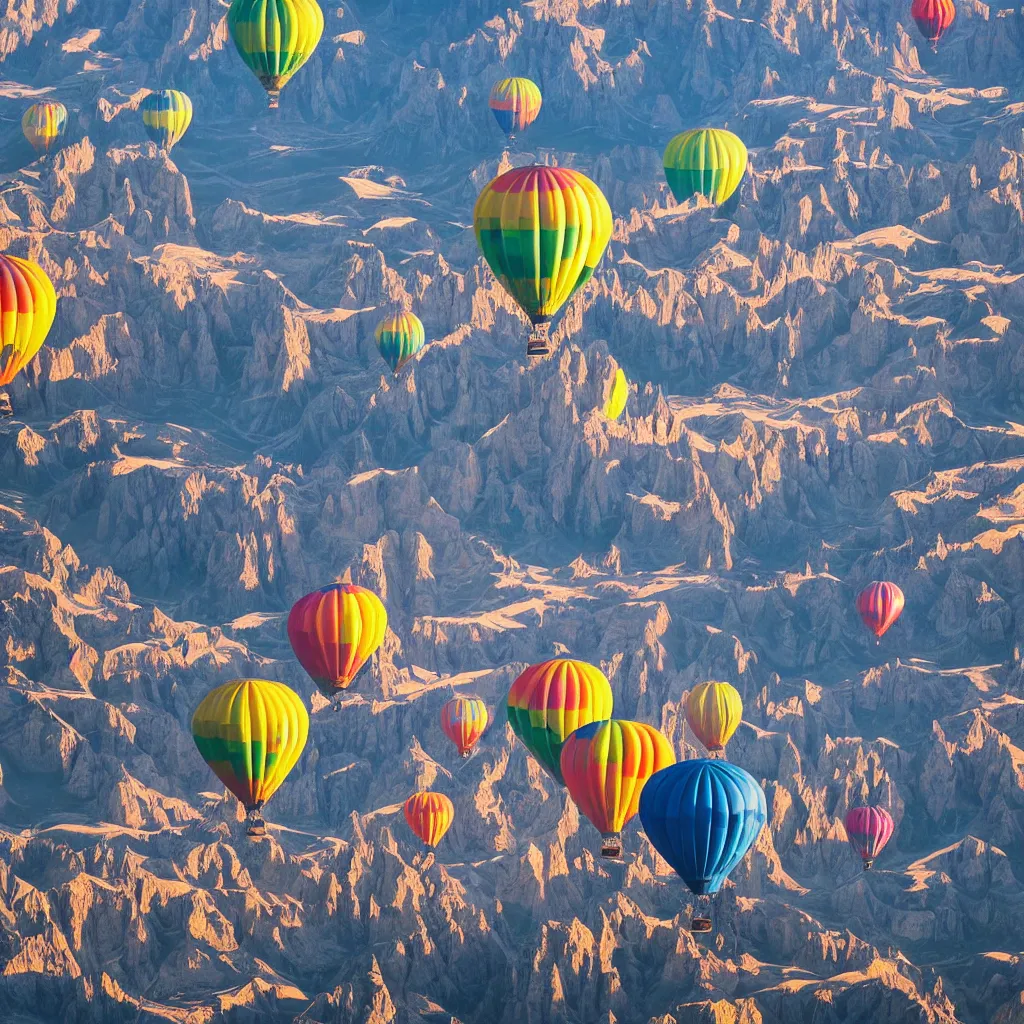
{"x":619,"y":394}
{"x":44,"y":123}
{"x":251,"y":732}
{"x":709,"y":161}
{"x":28,"y":304}
{"x":714,"y":711}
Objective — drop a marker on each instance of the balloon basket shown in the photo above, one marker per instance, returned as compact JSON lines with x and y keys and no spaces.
{"x":463,"y":754}
{"x":867,"y":864}
{"x":701,"y":925}
{"x":255,"y":826}
{"x":611,"y":846}
{"x":6,"y":411}
{"x":538,"y":344}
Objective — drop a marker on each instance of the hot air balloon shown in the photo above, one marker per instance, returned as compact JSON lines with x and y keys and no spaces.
{"x":542,"y":231}
{"x":399,"y":338}
{"x":605,"y":766}
{"x":714,"y":711}
{"x":515,"y":103}
{"x":553,"y":699}
{"x":251,"y":732}
{"x":166,"y":115}
{"x":880,"y":605}
{"x":619,"y":394}
{"x":702,"y":816}
{"x":333,"y":631}
{"x":28,"y":304}
{"x":429,"y":815}
{"x":709,"y":161}
{"x":275,"y":38}
{"x":43,"y":124}
{"x":463,"y":720}
{"x":869,"y":829}
{"x":933,"y":18}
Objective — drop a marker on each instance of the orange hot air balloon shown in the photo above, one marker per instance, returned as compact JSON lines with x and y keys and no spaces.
{"x":334,"y":631}
{"x":463,"y":720}
{"x":28,"y":304}
{"x":429,"y":815}
{"x":605,"y":765}
{"x":880,"y":605}
{"x":933,"y":18}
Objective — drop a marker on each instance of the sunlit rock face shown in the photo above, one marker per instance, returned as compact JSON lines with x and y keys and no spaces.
{"x":825,"y":392}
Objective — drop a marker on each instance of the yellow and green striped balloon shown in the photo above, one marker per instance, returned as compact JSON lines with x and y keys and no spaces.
{"x":542,"y":231}
{"x":399,"y":338}
{"x":251,"y":732}
{"x":618,"y":397}
{"x":43,"y":124}
{"x":275,"y":38}
{"x":166,"y":115}
{"x":708,"y":161}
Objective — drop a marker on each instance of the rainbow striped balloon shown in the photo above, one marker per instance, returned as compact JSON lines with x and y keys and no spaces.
{"x":399,"y":338}
{"x":275,"y":38}
{"x":28,"y":304}
{"x":515,"y":103}
{"x":464,"y":720}
{"x":709,"y":161}
{"x":43,"y":124}
{"x":251,"y":732}
{"x":429,"y":815}
{"x":166,"y":115}
{"x":553,"y":699}
{"x":334,"y":631}
{"x":542,"y":231}
{"x":605,"y":766}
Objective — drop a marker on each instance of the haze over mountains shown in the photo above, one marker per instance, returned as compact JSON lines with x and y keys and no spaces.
{"x":826,"y":391}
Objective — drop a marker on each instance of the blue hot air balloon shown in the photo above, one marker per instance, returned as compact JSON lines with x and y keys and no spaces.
{"x":702,"y":816}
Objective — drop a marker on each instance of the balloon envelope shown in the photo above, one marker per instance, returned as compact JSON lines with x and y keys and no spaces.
{"x":515,"y":103}
{"x":880,"y":605}
{"x":708,"y":161}
{"x":933,"y":17}
{"x":333,"y":632}
{"x":702,"y":816}
{"x":43,"y":124}
{"x":605,"y":766}
{"x":553,"y":699}
{"x":28,"y":304}
{"x":166,"y":115}
{"x":463,"y":720}
{"x":429,"y":815}
{"x":399,"y":338}
{"x":275,"y":38}
{"x":714,"y":711}
{"x":868,"y":830}
{"x":619,"y":394}
{"x":251,"y":732}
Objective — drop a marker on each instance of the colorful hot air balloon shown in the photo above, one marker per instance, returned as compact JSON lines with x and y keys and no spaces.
{"x":275,"y":38}
{"x":714,"y":711}
{"x":709,"y":161}
{"x":463,"y":720}
{"x":880,"y":605}
{"x":933,"y":18}
{"x":542,"y":231}
{"x":166,"y":115}
{"x":605,"y":766}
{"x":868,"y":830}
{"x":619,"y":394}
{"x":28,"y":304}
{"x":333,"y":631}
{"x":553,"y":699}
{"x":251,"y":732}
{"x":429,"y":815}
{"x":515,"y":103}
{"x":43,"y":124}
{"x":399,"y":338}
{"x":702,"y":816}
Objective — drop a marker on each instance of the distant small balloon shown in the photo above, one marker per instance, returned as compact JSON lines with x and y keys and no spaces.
{"x":463,"y":720}
{"x":618,"y":397}
{"x":933,"y":18}
{"x":429,"y":815}
{"x":166,"y":115}
{"x":880,"y":604}
{"x":706,"y":161}
{"x":868,"y":830}
{"x":44,"y":124}
{"x":714,"y":711}
{"x":399,"y":338}
{"x":515,"y":103}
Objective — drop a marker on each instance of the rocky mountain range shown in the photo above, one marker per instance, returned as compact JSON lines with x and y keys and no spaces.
{"x":825,"y":391}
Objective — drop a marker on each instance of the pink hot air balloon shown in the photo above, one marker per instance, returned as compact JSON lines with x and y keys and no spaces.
{"x":880,"y":605}
{"x":869,"y":829}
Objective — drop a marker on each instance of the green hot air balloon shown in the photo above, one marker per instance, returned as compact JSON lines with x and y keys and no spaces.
{"x":708,"y":161}
{"x":399,"y":338}
{"x":166,"y":115}
{"x":275,"y":38}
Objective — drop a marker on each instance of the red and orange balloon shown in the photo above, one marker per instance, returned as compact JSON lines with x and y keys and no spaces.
{"x":933,"y":18}
{"x":463,"y":720}
{"x":880,"y":605}
{"x":429,"y":815}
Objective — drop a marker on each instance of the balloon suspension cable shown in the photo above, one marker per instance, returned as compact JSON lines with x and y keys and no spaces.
{"x":6,"y":410}
{"x":255,"y":825}
{"x":611,"y":845}
{"x":538,"y":344}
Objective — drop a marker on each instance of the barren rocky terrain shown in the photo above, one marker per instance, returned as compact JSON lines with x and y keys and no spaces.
{"x":826,"y":390}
